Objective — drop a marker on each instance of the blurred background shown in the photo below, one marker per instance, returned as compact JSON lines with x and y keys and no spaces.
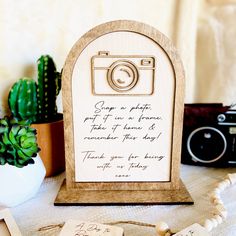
{"x":203,"y":31}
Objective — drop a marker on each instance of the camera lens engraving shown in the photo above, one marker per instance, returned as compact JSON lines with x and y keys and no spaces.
{"x":206,"y":144}
{"x":122,"y":75}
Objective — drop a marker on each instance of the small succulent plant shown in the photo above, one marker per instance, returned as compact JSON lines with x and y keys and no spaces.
{"x":18,"y":143}
{"x":37,"y":101}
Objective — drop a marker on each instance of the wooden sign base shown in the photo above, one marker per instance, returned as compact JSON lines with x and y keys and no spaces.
{"x":78,"y":197}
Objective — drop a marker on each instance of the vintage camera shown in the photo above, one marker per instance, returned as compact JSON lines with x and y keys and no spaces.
{"x":122,"y":74}
{"x":209,"y":135}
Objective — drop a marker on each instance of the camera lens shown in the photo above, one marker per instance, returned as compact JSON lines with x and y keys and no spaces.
{"x":122,"y":76}
{"x":206,"y":144}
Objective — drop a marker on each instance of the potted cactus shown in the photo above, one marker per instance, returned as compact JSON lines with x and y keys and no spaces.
{"x":36,"y":102}
{"x":21,"y":169}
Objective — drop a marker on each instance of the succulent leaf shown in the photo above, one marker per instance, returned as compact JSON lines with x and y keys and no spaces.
{"x":18,"y":145}
{"x":22,"y":131}
{"x":12,"y":152}
{"x":15,"y":120}
{"x":15,"y":128}
{"x":5,"y":139}
{"x":2,"y":160}
{"x":3,"y":122}
{"x":3,"y":129}
{"x":23,"y":156}
{"x":27,"y":142}
{"x":12,"y":139}
{"x":2,"y":147}
{"x":30,"y":151}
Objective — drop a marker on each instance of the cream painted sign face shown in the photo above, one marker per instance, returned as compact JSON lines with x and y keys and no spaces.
{"x":123,"y":90}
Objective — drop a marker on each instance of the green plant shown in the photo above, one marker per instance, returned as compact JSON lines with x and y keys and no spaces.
{"x":18,"y":143}
{"x":23,"y":99}
{"x":49,"y":85}
{"x":37,"y":102}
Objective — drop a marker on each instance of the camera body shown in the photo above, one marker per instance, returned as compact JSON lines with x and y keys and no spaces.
{"x":122,"y":74}
{"x":209,"y":135}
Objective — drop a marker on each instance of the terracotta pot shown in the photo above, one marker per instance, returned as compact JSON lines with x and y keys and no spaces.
{"x":50,"y":138}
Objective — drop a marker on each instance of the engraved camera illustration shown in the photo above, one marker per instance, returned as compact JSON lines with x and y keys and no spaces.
{"x":122,"y":74}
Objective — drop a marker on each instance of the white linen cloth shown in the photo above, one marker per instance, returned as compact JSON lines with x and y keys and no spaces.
{"x":40,"y":211}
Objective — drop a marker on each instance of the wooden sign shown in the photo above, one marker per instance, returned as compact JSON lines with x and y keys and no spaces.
{"x":8,"y":226}
{"x":123,"y":87}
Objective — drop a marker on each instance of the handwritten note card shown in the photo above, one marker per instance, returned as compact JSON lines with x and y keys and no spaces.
{"x":81,"y":228}
{"x":193,"y":230}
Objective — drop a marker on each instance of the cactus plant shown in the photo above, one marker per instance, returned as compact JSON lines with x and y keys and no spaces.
{"x":18,"y":143}
{"x":23,"y":99}
{"x":37,"y":102}
{"x":49,"y":85}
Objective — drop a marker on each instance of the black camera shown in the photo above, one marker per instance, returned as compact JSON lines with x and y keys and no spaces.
{"x":209,"y":135}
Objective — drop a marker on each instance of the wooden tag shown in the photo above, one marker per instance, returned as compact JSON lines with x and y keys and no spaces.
{"x":193,"y":230}
{"x":82,"y":228}
{"x":8,"y":226}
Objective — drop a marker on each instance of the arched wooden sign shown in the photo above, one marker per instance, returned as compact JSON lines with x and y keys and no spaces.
{"x":123,"y":88}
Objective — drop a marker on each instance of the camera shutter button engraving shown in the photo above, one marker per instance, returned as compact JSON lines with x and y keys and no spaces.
{"x":122,"y":76}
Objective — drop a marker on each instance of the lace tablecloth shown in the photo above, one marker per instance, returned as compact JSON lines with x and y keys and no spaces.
{"x":40,"y":211}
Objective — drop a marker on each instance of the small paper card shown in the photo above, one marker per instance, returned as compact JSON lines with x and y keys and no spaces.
{"x":82,"y":228}
{"x":193,"y":230}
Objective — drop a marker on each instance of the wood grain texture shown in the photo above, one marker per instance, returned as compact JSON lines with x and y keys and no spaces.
{"x":111,"y":197}
{"x":178,"y":107}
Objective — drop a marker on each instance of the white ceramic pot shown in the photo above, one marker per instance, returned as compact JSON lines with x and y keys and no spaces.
{"x":18,"y":185}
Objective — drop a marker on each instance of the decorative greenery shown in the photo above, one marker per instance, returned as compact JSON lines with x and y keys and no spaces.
{"x":18,"y":143}
{"x":23,"y":99}
{"x":37,"y":102}
{"x":49,"y":85}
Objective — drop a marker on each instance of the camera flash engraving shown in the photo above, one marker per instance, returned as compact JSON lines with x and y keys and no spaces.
{"x":145,"y":62}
